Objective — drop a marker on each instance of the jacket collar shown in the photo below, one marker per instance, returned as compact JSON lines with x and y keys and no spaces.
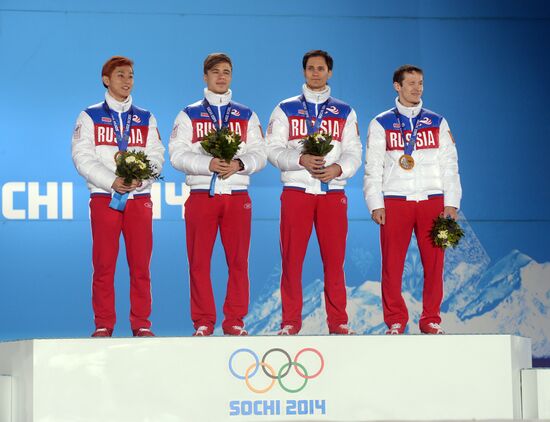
{"x":119,"y":107}
{"x":217,"y":99}
{"x":409,"y":112}
{"x":316,"y":97}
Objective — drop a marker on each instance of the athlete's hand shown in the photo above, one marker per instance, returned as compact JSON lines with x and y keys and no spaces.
{"x":312,"y":163}
{"x":379,"y":216}
{"x":450,"y":212}
{"x":234,"y":167}
{"x":326,"y":174}
{"x":121,"y":187}
{"x":218,"y":166}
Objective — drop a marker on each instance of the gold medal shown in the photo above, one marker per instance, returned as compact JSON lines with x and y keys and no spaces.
{"x":406,"y":162}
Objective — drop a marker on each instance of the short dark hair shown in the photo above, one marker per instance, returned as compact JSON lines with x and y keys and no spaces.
{"x":318,"y":53}
{"x":113,"y":63}
{"x":399,"y":73}
{"x":214,"y":59}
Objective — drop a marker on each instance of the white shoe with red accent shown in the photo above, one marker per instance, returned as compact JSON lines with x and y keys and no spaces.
{"x":288,"y":330}
{"x":102,"y":332}
{"x":395,"y":329}
{"x":432,"y":328}
{"x":203,"y":331}
{"x":143,"y":332}
{"x":343,"y":329}
{"x":235,"y":330}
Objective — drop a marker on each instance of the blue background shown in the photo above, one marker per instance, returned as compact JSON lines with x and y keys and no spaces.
{"x":486,"y":70}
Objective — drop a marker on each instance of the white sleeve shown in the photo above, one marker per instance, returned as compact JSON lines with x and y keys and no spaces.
{"x":154,"y":150}
{"x":350,"y":158}
{"x":84,"y":155}
{"x":278,"y":152}
{"x":180,"y":146}
{"x":448,"y":163}
{"x":255,"y":157}
{"x":374,"y":166}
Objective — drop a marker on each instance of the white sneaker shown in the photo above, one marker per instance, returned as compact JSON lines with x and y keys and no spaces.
{"x":235,"y":330}
{"x":395,"y":329}
{"x":343,"y":329}
{"x":203,"y":331}
{"x":288,"y":330}
{"x":432,"y":328}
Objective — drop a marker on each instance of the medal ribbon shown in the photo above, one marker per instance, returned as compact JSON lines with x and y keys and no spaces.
{"x":226,"y":116}
{"x":118,"y":201}
{"x":314,"y":127}
{"x":409,"y":146}
{"x":311,"y":127}
{"x":224,"y":123}
{"x":121,"y":138}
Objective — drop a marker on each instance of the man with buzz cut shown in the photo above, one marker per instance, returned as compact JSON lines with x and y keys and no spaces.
{"x":305,"y":201}
{"x":411,"y":177}
{"x":221,"y":204}
{"x":101,"y":131}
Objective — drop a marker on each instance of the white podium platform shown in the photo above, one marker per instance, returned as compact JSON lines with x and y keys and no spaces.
{"x":535,"y":388}
{"x":270,"y":378}
{"x":5,"y":398}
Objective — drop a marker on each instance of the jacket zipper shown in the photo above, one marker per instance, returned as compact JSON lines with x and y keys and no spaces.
{"x":414,"y":148}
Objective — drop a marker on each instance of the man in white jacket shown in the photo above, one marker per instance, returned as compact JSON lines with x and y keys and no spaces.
{"x":222,"y":203}
{"x":101,"y":131}
{"x":411,"y":177}
{"x":304,"y":202}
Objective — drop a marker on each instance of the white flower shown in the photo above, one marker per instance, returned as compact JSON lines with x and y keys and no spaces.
{"x":230,"y":138}
{"x":130,"y":159}
{"x":442,"y":234}
{"x":142,"y":165}
{"x":448,"y":244}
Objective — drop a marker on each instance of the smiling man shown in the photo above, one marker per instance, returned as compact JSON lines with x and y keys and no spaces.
{"x":304,"y":202}
{"x":411,"y":177}
{"x":101,"y":131}
{"x":228,"y":207}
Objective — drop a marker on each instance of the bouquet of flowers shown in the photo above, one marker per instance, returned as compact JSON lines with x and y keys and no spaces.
{"x":131,"y":165}
{"x":134,"y":165}
{"x":446,"y":232}
{"x":223,"y":144}
{"x":317,"y":144}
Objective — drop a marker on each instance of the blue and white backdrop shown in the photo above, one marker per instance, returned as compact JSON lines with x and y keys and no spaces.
{"x":486,"y":69}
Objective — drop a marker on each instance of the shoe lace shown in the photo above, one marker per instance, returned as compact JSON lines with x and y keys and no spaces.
{"x":144,"y":329}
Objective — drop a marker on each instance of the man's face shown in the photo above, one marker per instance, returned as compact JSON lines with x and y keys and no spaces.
{"x":218,"y":79}
{"x":317,"y":73}
{"x":410,"y":90}
{"x":120,"y":82}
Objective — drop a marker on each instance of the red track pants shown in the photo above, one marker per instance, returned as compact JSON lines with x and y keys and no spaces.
{"x":135,"y":223}
{"x":402,"y":217}
{"x":299,"y":211}
{"x":203,"y":216}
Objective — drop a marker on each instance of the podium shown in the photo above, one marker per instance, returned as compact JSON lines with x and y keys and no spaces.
{"x":265,"y":378}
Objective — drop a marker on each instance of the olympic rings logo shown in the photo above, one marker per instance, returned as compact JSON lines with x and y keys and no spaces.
{"x":270,"y":372}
